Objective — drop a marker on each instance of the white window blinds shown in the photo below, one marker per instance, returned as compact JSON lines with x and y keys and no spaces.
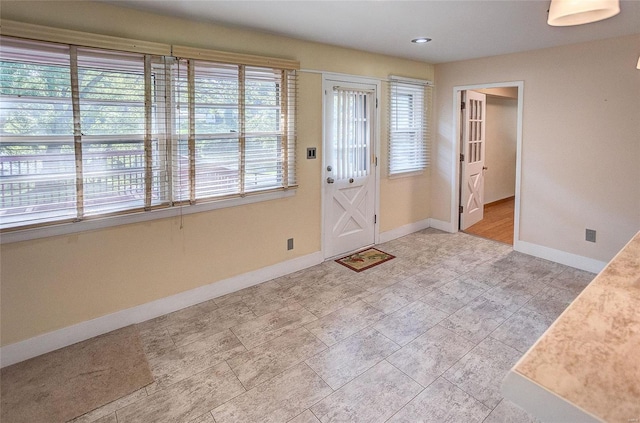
{"x":410,"y":103}
{"x":90,"y":132}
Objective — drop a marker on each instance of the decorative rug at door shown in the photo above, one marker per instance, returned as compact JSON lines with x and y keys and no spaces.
{"x":365,"y":259}
{"x":66,"y":383}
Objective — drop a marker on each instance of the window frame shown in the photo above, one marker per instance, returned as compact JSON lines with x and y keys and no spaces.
{"x":174,"y":208}
{"x":419,"y":154}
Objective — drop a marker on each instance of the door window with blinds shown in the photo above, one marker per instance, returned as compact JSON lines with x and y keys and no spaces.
{"x":351,"y":134}
{"x":408,"y":125}
{"x":89,"y":132}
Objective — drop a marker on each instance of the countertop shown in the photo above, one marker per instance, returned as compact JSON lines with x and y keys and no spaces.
{"x":586,"y":366}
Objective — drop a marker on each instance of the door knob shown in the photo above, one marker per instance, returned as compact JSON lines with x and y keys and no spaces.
{"x":484,"y":168}
{"x":330,"y":180}
{"x":350,"y":180}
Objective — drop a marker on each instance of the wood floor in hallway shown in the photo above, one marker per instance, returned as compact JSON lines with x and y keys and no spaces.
{"x":497,"y":223}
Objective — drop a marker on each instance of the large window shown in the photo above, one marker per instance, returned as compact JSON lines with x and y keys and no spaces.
{"x":91,"y":132}
{"x":408,"y":126}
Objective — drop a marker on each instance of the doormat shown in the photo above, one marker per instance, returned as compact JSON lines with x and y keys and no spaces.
{"x":69,"y":382}
{"x":365,"y":259}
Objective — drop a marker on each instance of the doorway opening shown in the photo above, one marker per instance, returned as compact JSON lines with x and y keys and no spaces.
{"x":488,"y":129}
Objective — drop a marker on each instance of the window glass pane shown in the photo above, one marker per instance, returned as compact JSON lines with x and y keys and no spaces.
{"x":217,"y":164}
{"x":37,"y":162}
{"x":263,"y":163}
{"x":112,"y":112}
{"x":217,"y":129}
{"x":262,"y":100}
{"x":407,"y":137}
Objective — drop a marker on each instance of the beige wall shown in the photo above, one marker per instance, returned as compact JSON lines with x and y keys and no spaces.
{"x":500,"y":154}
{"x":55,"y":282}
{"x":580,"y":146}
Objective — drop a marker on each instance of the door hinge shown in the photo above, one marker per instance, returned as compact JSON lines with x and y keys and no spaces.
{"x":460,"y":209}
{"x":462,"y":157}
{"x":376,"y":102}
{"x":375,"y":219}
{"x":462,"y":105}
{"x":376,"y":161}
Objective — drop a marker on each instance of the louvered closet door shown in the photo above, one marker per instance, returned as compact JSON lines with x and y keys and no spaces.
{"x":349,"y":175}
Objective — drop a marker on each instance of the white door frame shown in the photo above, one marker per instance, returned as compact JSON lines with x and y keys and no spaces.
{"x":455,"y":159}
{"x":328,"y":80}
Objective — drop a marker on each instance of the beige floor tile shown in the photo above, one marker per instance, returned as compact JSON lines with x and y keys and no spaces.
{"x":111,"y":418}
{"x":272,"y":325}
{"x":155,"y":340}
{"x":396,"y":296}
{"x":442,"y":402}
{"x":351,"y":357}
{"x":329,"y":299}
{"x":109,"y":409}
{"x":481,"y":371}
{"x":191,"y":330}
{"x":271,"y":358}
{"x":269,"y":301}
{"x":452,"y":296}
{"x":252,"y":291}
{"x":550,"y":302}
{"x":434,"y":277}
{"x":372,"y":397}
{"x":507,"y":412}
{"x":206,"y":418}
{"x":177,"y":317}
{"x":477,"y":319}
{"x":522,"y":329}
{"x":277,"y":400}
{"x":185,"y":400}
{"x":306,"y":417}
{"x":183,"y":362}
{"x":344,"y":322}
{"x":375,"y":279}
{"x":409,"y":322}
{"x":430,"y":355}
{"x":512,"y":296}
{"x":572,"y":280}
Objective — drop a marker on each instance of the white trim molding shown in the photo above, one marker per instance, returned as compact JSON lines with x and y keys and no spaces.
{"x":455,"y":149}
{"x":562,"y":257}
{"x":443,"y":226}
{"x":41,"y":344}
{"x":404,"y":230}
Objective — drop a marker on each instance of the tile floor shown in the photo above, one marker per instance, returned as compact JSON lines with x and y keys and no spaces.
{"x":427,"y":337}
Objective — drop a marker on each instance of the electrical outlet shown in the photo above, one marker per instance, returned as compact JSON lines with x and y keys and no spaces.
{"x":290,"y":244}
{"x":590,"y":235}
{"x":311,"y":153}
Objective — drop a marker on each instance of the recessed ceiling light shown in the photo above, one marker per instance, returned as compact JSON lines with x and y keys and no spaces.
{"x":421,"y":40}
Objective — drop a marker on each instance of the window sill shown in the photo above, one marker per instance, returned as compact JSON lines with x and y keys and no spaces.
{"x":107,"y":222}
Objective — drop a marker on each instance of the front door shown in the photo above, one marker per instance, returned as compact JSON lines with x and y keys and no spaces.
{"x":349,"y":175}
{"x":472,"y":158}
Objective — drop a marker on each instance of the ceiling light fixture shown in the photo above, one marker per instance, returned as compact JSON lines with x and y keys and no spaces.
{"x":578,"y":12}
{"x":421,"y":40}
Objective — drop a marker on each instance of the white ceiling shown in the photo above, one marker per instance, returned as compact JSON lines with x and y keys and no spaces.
{"x":460,"y":29}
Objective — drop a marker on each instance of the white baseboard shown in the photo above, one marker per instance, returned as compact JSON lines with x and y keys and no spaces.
{"x":41,"y":344}
{"x":404,"y":230}
{"x":443,"y":226}
{"x":562,"y":257}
